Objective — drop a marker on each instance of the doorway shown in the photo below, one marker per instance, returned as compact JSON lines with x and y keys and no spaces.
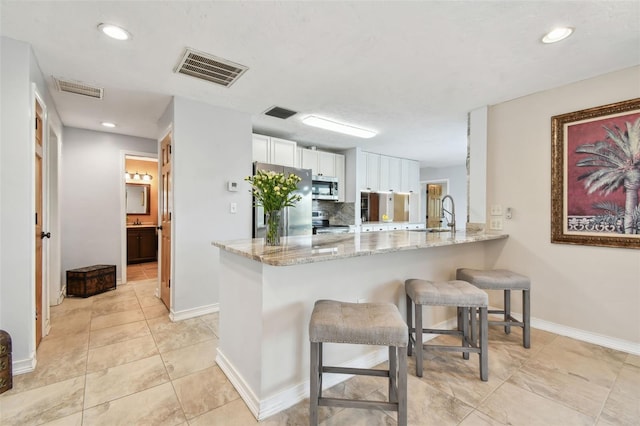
{"x":434,"y":191}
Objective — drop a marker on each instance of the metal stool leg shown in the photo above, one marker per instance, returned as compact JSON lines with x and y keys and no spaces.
{"x":419,"y":348}
{"x":526,"y":318}
{"x":393,"y":374}
{"x":507,"y":310}
{"x":465,"y":330}
{"x":484,"y":345}
{"x":315,"y":383}
{"x":409,"y":322}
{"x":402,"y":388}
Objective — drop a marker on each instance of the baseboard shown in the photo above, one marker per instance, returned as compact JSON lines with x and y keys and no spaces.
{"x":194,"y":312}
{"x":24,"y":365}
{"x":243,"y":389}
{"x":585,"y":336}
{"x":262,"y":409}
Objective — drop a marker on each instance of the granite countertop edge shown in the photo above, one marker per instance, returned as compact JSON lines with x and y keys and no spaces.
{"x":327,"y":247}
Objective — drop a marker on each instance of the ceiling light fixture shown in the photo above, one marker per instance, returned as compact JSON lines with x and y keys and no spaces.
{"x":557,"y":34}
{"x":114,"y":31}
{"x":334,"y":126}
{"x":108,"y":124}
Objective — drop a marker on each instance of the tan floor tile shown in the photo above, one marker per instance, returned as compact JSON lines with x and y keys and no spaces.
{"x":155,"y":406}
{"x":119,"y":333}
{"x":623,"y":405}
{"x":147,"y":301}
{"x":633,"y":360}
{"x":117,"y":318}
{"x":75,"y":322}
{"x":359,"y":417}
{"x":212,"y":321}
{"x":116,"y":382}
{"x":121,"y":353}
{"x":190,"y":359}
{"x":477,"y":418}
{"x":51,"y":347}
{"x":71,"y":305}
{"x":52,"y":369}
{"x":204,"y":391}
{"x":174,"y":335}
{"x":42,"y":404}
{"x":110,"y":306}
{"x":577,"y":392}
{"x":155,"y":311}
{"x":235,"y":413}
{"x":427,"y":402}
{"x":72,"y":420}
{"x":510,"y":404}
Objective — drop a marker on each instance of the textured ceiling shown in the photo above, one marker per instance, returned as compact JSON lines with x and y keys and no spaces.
{"x":410,"y":70}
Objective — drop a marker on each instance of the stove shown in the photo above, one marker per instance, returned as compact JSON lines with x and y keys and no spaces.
{"x":320,"y":223}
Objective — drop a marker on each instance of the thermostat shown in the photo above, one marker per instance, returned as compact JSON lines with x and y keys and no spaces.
{"x":232,"y":186}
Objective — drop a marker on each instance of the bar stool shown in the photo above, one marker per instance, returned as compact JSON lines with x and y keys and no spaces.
{"x":468,"y":299}
{"x":503,"y":279}
{"x":363,"y":324}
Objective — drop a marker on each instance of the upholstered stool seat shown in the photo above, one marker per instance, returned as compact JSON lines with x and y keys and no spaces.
{"x":504,"y":280}
{"x":468,"y":299}
{"x":366,"y":324}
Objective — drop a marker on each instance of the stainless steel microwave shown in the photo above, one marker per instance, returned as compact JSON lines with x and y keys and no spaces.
{"x":324,"y":188}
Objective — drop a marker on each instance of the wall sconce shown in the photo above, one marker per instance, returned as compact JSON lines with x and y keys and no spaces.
{"x":137,"y":176}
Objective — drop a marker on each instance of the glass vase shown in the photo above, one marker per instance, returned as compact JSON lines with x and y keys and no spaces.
{"x":272,"y":237}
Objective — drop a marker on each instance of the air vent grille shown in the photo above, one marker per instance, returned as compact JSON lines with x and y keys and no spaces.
{"x":211,"y":68}
{"x":78,"y":88}
{"x":280,"y":112}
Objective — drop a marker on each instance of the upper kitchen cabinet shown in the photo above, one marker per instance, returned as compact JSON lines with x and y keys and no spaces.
{"x":390,"y":174}
{"x":321,"y":163}
{"x":369,"y":173}
{"x":341,"y":175}
{"x":410,"y":176}
{"x":267,"y":149}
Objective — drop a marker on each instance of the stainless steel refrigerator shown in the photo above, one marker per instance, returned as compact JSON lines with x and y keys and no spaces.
{"x":295,"y":220}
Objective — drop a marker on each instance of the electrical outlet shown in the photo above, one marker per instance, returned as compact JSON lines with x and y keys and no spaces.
{"x":508,"y":213}
{"x":233,"y":208}
{"x":496,"y":210}
{"x":495,"y":223}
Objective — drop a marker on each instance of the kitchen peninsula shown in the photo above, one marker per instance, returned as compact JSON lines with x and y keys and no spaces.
{"x":267,"y":295}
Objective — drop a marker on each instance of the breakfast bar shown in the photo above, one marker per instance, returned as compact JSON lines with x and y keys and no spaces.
{"x":267,"y":296}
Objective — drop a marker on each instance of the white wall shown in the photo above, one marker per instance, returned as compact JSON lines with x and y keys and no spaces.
{"x":457,"y":177}
{"x":91,"y":197}
{"x":593,"y":289}
{"x":211,"y":145}
{"x":19,"y":69}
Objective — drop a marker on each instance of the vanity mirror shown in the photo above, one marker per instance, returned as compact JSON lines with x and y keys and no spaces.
{"x":138,"y":198}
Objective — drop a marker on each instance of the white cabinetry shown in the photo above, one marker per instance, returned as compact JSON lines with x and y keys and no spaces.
{"x":271,"y":150}
{"x":369,"y":173}
{"x":309,"y":160}
{"x":326,"y":163}
{"x":340,"y":174}
{"x":410,"y":176}
{"x":395,"y":175}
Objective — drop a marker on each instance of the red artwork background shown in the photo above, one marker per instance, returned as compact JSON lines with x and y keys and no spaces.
{"x":579,"y":202}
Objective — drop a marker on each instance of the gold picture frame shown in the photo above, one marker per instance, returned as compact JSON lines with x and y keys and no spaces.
{"x":595,"y":169}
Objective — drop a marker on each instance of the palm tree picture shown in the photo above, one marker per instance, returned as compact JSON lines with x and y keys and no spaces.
{"x":613,"y":167}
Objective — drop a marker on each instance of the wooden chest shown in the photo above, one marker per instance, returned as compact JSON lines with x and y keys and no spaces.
{"x":6,"y":378}
{"x":91,"y":280}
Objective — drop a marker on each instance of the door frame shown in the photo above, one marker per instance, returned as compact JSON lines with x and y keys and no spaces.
{"x":167,"y":132}
{"x":46,"y":319}
{"x":123,"y":208}
{"x":423,"y":190}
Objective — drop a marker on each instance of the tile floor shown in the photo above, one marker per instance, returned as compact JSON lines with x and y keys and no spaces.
{"x":116,"y":359}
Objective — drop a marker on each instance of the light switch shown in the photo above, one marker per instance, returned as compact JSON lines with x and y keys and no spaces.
{"x":495,"y":223}
{"x":508,"y":213}
{"x":496,"y":210}
{"x":233,"y":208}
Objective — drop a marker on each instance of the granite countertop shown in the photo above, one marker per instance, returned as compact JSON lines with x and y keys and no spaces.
{"x":319,"y":248}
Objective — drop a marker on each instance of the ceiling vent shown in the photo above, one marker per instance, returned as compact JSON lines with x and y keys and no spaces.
{"x":78,"y":88}
{"x":211,"y":68}
{"x":279,"y":112}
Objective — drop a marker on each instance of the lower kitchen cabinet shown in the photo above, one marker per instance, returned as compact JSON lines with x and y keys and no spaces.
{"x":142,"y":245}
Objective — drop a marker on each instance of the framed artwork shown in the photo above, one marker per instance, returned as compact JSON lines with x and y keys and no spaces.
{"x":595,"y":176}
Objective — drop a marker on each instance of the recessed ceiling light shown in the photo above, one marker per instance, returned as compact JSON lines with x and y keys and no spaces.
{"x":115,"y":31}
{"x":557,"y":34}
{"x":324,"y":123}
{"x":108,"y":124}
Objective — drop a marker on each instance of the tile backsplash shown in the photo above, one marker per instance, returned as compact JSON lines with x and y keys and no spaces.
{"x":339,"y":213}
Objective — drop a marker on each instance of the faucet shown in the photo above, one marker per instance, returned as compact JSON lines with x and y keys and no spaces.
{"x":451,"y":223}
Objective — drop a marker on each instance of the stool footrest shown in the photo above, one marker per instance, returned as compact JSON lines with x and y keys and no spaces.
{"x":512,"y":322}
{"x":360,"y":371}
{"x":354,"y":403}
